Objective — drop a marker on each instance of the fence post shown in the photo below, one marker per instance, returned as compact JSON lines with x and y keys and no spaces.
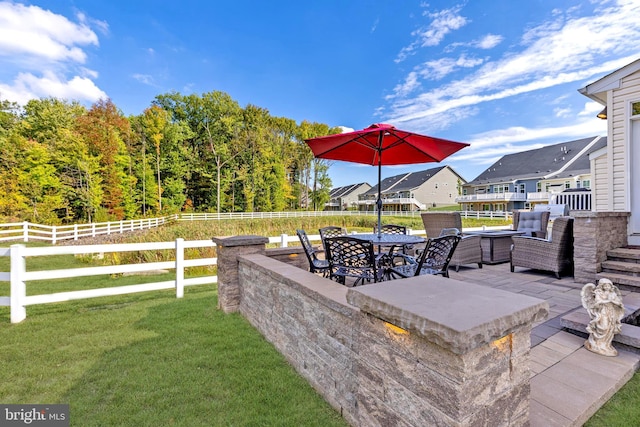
{"x":18,"y":287}
{"x":75,"y":231}
{"x":179,"y":267}
{"x":283,"y":240}
{"x":93,"y":229}
{"x":53,"y":235}
{"x":25,"y":231}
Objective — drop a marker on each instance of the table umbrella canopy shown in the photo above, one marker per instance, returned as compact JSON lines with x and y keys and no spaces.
{"x":383,"y":145}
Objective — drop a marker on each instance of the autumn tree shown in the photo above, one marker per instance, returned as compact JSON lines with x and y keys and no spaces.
{"x":104,"y":129}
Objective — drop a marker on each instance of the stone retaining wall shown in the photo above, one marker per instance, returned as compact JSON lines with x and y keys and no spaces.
{"x":594,"y":233}
{"x":413,"y":352}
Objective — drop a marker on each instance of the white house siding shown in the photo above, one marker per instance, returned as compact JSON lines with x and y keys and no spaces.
{"x":600,"y":182}
{"x":629,"y":91}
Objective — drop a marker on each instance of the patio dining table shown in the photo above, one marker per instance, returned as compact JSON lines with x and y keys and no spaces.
{"x":390,"y":240}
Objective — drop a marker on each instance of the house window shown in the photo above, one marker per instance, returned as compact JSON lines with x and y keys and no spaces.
{"x":522,"y":188}
{"x":567,"y":184}
{"x":539,"y":187}
{"x":635,"y":108}
{"x":486,"y":207}
{"x":500,"y":188}
{"x":586,"y":183}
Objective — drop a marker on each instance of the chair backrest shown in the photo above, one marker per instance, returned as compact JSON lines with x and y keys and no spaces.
{"x":331,"y":231}
{"x":437,"y":254}
{"x":531,"y":221}
{"x":391,"y":229}
{"x":562,"y":232}
{"x":351,"y":253}
{"x":555,"y":210}
{"x":434,"y":222}
{"x":309,"y":250}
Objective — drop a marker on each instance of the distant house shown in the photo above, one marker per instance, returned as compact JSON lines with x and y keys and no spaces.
{"x":415,"y":190}
{"x":344,"y":198}
{"x":521,"y":180}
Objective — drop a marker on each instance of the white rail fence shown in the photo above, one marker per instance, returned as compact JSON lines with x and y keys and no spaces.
{"x":28,"y":232}
{"x":18,"y":274}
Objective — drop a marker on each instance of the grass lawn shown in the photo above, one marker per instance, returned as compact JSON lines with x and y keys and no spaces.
{"x":153,"y":360}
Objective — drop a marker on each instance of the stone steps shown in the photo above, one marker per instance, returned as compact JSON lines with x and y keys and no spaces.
{"x":622,"y":267}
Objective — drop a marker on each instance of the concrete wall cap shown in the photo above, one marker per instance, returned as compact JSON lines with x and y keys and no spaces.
{"x":240,"y":240}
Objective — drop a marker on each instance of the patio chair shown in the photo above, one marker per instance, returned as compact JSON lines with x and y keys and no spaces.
{"x":434,"y":259}
{"x":351,"y":257}
{"x":330,"y":231}
{"x":394,"y":251}
{"x":469,"y":249}
{"x":316,"y":265}
{"x":555,"y":254}
{"x":532,"y":223}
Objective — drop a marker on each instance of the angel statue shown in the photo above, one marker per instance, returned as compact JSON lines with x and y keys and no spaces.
{"x":605,"y":308}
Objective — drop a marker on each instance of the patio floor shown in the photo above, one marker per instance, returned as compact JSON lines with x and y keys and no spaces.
{"x":568,"y":383}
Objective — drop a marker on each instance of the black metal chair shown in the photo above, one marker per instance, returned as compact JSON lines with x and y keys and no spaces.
{"x":351,"y":257}
{"x":330,"y":231}
{"x":316,"y":265}
{"x":434,"y":259}
{"x":394,"y":251}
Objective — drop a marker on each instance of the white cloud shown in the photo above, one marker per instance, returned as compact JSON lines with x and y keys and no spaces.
{"x":45,"y":52}
{"x":565,"y":50}
{"x":30,"y":30}
{"x":489,"y":41}
{"x":442,"y":23}
{"x":27,"y":86}
{"x":144,"y":78}
{"x":562,"y":112}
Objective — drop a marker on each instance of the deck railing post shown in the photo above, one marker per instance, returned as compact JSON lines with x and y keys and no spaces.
{"x":283,"y":240}
{"x":179,"y":268}
{"x":18,"y":287}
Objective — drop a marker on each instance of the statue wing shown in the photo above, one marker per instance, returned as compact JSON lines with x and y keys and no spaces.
{"x":588,"y":297}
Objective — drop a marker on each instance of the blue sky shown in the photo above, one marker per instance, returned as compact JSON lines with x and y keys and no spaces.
{"x":501,"y":75}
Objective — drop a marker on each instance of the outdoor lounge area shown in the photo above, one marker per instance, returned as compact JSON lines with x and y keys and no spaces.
{"x":567,"y":383}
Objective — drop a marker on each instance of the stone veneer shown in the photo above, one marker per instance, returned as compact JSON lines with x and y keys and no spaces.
{"x":594,"y":233}
{"x":414,"y":352}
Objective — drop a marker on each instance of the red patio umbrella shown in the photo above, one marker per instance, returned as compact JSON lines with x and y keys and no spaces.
{"x":382,"y":144}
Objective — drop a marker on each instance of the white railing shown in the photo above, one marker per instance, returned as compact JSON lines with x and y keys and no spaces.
{"x":577,"y":200}
{"x":18,"y":274}
{"x":541,"y":196}
{"x":28,"y":231}
{"x":494,"y":197}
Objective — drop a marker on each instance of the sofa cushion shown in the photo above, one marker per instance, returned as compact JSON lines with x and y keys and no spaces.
{"x":530,"y":222}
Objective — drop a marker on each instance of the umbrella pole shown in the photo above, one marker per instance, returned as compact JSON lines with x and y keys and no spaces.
{"x":379,"y":201}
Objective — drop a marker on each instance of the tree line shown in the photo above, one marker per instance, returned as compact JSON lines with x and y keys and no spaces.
{"x":61,"y":162}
